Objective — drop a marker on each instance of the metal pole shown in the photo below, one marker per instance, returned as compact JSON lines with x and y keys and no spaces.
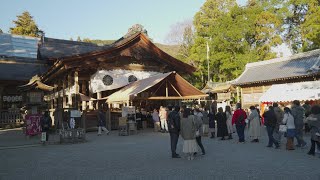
{"x":208,"y":50}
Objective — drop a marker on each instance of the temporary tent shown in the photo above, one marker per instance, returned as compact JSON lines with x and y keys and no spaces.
{"x":159,"y":87}
{"x":301,"y":91}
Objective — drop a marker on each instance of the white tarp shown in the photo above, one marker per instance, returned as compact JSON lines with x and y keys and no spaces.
{"x":301,"y":91}
{"x":135,"y":88}
{"x":120,"y":78}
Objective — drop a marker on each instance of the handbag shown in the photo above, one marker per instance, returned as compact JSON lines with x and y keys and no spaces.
{"x":282,"y":128}
{"x":197,"y":133}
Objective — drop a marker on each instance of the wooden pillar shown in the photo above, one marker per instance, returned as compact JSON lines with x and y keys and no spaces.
{"x":238,"y":94}
{"x":90,"y":95}
{"x":64,"y":98}
{"x":84,"y":90}
{"x":241,"y":97}
{"x":1,"y":90}
{"x":69,"y":87}
{"x":109,"y":116}
{"x":99,"y":95}
{"x":76,"y":84}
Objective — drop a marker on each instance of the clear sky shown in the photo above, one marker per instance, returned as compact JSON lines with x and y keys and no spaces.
{"x":100,"y":19}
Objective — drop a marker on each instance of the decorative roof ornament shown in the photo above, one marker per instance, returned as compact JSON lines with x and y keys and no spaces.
{"x":135,"y":29}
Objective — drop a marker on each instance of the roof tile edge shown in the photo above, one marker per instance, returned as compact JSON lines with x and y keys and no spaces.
{"x":288,"y":58}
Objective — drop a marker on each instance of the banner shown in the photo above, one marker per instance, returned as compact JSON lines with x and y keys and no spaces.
{"x":33,"y":122}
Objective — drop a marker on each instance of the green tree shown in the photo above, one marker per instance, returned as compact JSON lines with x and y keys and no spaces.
{"x":1,"y":31}
{"x":25,"y":25}
{"x":310,"y":28}
{"x":302,"y":30}
{"x":236,"y":35}
{"x":79,"y":39}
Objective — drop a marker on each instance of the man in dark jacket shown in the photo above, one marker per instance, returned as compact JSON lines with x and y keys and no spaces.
{"x":46,"y":122}
{"x":270,"y":121}
{"x":279,"y":117}
{"x":298,"y":114}
{"x":174,"y":130}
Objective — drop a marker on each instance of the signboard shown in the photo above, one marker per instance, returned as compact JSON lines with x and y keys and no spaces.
{"x":128,"y":110}
{"x":12,"y":98}
{"x":75,"y":113}
{"x":33,"y":124}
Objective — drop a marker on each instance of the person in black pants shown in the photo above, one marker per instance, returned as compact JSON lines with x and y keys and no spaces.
{"x":174,"y":129}
{"x":270,"y":121}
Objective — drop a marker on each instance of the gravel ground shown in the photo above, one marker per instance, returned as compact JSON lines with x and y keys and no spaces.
{"x":147,"y":156}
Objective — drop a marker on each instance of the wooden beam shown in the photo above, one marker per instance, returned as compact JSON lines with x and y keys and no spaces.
{"x":175,"y":89}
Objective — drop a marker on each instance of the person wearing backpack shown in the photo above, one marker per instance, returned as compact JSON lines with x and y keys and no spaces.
{"x":238,"y":119}
{"x":174,"y":130}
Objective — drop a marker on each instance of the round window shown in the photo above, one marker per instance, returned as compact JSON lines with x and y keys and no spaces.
{"x":107,"y":80}
{"x":132,"y":78}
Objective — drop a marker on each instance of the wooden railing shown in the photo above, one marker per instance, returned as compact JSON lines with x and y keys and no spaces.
{"x":10,"y":117}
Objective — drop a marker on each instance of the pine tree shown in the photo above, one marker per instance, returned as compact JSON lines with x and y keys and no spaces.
{"x":25,"y":25}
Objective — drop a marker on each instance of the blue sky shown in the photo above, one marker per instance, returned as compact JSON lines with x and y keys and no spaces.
{"x":101,"y":19}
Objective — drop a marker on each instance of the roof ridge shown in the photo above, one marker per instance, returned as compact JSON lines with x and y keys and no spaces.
{"x":288,"y":58}
{"x":20,"y":36}
{"x":54,"y":40}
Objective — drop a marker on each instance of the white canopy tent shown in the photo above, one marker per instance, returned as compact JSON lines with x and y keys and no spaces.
{"x":302,"y":91}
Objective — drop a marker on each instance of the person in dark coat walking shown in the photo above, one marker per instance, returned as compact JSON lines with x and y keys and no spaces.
{"x":174,"y":130}
{"x":270,"y":121}
{"x":212,"y":124}
{"x":221,"y":124}
{"x":46,"y":122}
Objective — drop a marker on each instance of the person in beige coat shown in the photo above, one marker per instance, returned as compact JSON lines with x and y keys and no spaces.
{"x":254,"y":124}
{"x":188,"y":133}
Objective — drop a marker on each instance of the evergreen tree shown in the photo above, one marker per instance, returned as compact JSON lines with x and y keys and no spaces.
{"x":25,"y":25}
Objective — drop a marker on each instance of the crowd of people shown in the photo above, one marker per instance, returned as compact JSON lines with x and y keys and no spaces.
{"x":193,"y":123}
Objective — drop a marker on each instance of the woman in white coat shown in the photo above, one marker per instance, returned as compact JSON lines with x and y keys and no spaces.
{"x":229,"y":121}
{"x":254,"y":124}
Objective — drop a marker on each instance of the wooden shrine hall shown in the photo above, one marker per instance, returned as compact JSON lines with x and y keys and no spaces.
{"x":84,"y":81}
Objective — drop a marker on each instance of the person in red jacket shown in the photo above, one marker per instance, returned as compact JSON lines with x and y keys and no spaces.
{"x":238,"y":119}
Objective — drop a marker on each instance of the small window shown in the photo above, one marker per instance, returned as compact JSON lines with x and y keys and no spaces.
{"x":107,"y":80}
{"x":132,"y":78}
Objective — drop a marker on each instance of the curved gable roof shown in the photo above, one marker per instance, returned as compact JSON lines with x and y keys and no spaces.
{"x":118,"y":46}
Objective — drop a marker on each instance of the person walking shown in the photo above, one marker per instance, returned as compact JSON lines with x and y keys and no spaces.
{"x":288,"y":120}
{"x":174,"y":130}
{"x":163,"y":114}
{"x":102,"y":122}
{"x":270,"y":121}
{"x":298,"y":114}
{"x":212,"y":124}
{"x":199,"y":133}
{"x":46,"y":123}
{"x":229,"y":121}
{"x":314,"y":123}
{"x":238,"y":119}
{"x":221,"y":124}
{"x":279,"y":116}
{"x":156,"y":120}
{"x":254,"y":124}
{"x":188,"y":133}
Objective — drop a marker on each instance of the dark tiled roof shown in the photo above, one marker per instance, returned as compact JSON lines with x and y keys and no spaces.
{"x":57,"y":48}
{"x":20,"y":71}
{"x":303,"y":64}
{"x":18,"y":46}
